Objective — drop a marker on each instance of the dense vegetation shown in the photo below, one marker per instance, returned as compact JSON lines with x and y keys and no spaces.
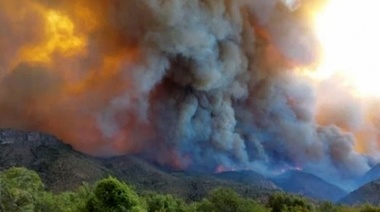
{"x":23,"y":190}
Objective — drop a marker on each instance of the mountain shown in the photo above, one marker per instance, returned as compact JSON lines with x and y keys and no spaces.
{"x":189,"y":185}
{"x":247,"y":177}
{"x":372,"y":175}
{"x":368,"y":193}
{"x":62,"y":168}
{"x":308,"y":185}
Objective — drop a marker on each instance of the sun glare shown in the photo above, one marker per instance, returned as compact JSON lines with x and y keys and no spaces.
{"x":349,"y":31}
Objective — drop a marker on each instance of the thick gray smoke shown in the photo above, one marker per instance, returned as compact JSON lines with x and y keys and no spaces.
{"x":210,"y":83}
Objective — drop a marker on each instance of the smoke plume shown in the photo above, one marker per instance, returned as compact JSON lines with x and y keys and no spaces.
{"x":192,"y":84}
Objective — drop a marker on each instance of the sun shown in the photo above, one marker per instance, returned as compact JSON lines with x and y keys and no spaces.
{"x":349,"y":32}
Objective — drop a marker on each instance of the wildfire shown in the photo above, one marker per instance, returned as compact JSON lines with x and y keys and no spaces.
{"x":349,"y":33}
{"x":222,"y":168}
{"x":60,"y":38}
{"x":194,"y":92}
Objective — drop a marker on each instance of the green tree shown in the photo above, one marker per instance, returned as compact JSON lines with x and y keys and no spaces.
{"x":165,"y":203}
{"x":64,"y":202}
{"x":369,"y":208}
{"x":327,"y":207}
{"x":281,"y":202}
{"x":112,"y":195}
{"x":19,"y":189}
{"x":226,"y":200}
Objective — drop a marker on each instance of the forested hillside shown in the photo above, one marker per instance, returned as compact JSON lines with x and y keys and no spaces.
{"x":22,"y":190}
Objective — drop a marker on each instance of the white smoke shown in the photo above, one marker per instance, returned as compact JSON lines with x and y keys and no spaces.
{"x":211,"y":84}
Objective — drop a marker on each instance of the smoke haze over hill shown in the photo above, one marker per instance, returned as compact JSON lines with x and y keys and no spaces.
{"x":193,"y":84}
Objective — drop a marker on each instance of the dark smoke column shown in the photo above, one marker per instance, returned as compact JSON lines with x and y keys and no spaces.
{"x":194,"y":84}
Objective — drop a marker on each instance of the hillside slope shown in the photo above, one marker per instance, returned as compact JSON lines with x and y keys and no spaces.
{"x":368,"y":193}
{"x":62,"y":168}
{"x":308,"y":185}
{"x":247,"y":177}
{"x":372,"y":175}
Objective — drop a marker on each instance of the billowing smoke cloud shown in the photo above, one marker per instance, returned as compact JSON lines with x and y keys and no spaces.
{"x":194,"y":84}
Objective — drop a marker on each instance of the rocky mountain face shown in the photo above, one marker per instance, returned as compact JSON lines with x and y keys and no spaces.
{"x":60,"y":167}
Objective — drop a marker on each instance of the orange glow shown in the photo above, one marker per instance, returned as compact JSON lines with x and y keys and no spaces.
{"x":60,"y":38}
{"x":349,"y":33}
{"x":106,"y":75}
{"x":82,"y":64}
{"x":222,"y":168}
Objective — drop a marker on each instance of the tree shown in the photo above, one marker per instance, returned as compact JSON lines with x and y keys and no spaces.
{"x":227,"y":200}
{"x":19,"y":189}
{"x":281,"y":202}
{"x":112,"y":195}
{"x":369,"y":208}
{"x":165,"y":203}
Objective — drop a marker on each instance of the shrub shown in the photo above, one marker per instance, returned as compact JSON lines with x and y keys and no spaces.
{"x":19,"y":189}
{"x":226,"y":200}
{"x":167,"y":203}
{"x":369,"y":208}
{"x":281,"y":202}
{"x":112,"y":195}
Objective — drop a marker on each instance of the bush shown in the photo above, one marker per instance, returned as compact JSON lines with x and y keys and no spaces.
{"x":167,"y":203}
{"x":226,"y":200}
{"x":369,"y":208}
{"x":19,"y":189}
{"x":288,"y":203}
{"x":22,"y":190}
{"x":113,"y":195}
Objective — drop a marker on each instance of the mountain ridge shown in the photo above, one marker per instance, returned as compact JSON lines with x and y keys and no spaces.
{"x":62,"y":168}
{"x":368,"y":193}
{"x":309,"y":185}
